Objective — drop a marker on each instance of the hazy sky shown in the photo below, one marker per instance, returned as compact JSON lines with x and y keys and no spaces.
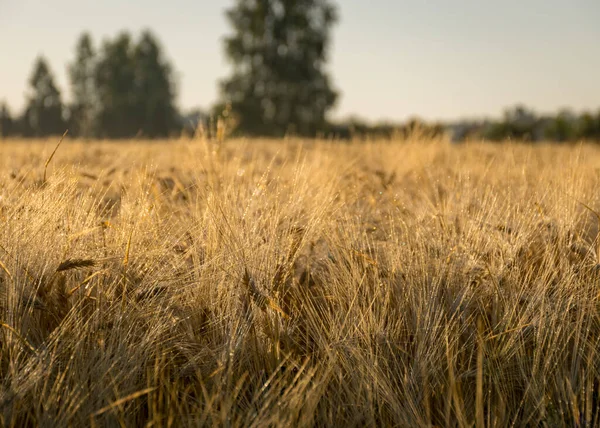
{"x":391,"y":59}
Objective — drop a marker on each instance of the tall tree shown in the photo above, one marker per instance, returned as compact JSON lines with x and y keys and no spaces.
{"x":134,"y":88}
{"x":156,"y":114}
{"x":6,"y":121}
{"x":81,"y":74}
{"x":114,"y":79}
{"x":279,"y":50}
{"x":44,"y":111}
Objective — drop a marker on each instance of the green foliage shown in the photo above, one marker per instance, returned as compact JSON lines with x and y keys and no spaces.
{"x":278,"y":50}
{"x":6,"y":121}
{"x":279,"y":86}
{"x":81,"y":73}
{"x":522,"y":124}
{"x":114,"y":79}
{"x":561,"y":128}
{"x":154,"y":89}
{"x":134,"y":88}
{"x":359,"y":129}
{"x":588,"y":126}
{"x":125,"y":89}
{"x":44,"y":112}
{"x":496,"y":131}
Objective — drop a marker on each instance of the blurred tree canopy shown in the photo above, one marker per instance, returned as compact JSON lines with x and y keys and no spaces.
{"x":563,"y":127}
{"x":114,"y":79}
{"x":524,"y":124}
{"x":44,"y":112}
{"x":81,"y":74}
{"x":154,"y":89}
{"x":134,"y":89}
{"x":123,"y":90}
{"x":278,"y":50}
{"x":6,"y":121}
{"x":588,"y":126}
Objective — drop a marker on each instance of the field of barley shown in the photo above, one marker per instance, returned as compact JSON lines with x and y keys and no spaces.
{"x":291,"y":283}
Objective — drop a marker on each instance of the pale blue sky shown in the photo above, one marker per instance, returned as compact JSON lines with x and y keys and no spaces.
{"x":391,"y":59}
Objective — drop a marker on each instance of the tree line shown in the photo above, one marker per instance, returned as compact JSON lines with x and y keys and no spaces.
{"x":124,"y":88}
{"x":278,"y":86}
{"x":524,"y":124}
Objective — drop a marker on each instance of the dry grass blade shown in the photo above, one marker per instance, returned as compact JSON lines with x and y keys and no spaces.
{"x":127,"y":249}
{"x":597,"y":237}
{"x":70,"y":264}
{"x":18,"y":336}
{"x":84,"y":232}
{"x":259,"y":298}
{"x":366,"y":258}
{"x":125,"y":266}
{"x":123,"y":400}
{"x":5,"y":269}
{"x":479,"y":404}
{"x":276,"y":308}
{"x":85,"y":281}
{"x":52,"y":155}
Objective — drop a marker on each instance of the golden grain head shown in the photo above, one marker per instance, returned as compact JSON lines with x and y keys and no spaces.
{"x":71,"y":264}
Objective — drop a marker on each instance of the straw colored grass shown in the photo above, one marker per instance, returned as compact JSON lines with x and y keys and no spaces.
{"x":290,"y":283}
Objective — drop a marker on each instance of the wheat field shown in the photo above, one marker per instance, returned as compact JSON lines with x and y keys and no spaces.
{"x":290,"y":283}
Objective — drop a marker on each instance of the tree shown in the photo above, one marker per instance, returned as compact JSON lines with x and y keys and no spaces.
{"x":6,"y":121}
{"x":562,"y":127}
{"x":44,"y":111}
{"x":520,"y":123}
{"x":134,"y":88}
{"x":588,"y":128}
{"x":156,"y":114}
{"x":81,"y":73}
{"x":278,"y":50}
{"x":114,"y":79}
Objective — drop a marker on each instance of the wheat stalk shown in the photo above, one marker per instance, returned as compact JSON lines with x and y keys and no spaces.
{"x":52,"y":155}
